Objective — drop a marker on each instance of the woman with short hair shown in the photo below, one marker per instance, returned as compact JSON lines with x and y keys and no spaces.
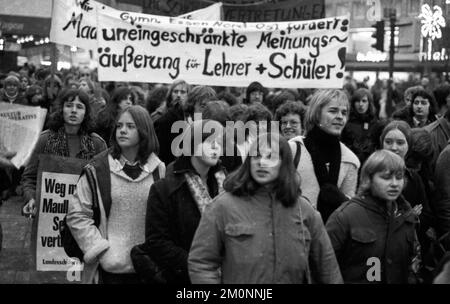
{"x":373,"y":234}
{"x":290,"y":116}
{"x":328,"y":169}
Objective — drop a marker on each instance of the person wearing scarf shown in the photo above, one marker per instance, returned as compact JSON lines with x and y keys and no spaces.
{"x":328,"y":169}
{"x":176,"y":203}
{"x":68,"y":136}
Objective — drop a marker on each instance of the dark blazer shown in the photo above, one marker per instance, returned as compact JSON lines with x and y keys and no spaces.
{"x":172,"y":219}
{"x":163,"y":127}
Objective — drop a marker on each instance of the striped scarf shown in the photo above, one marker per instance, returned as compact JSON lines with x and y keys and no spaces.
{"x":199,"y":191}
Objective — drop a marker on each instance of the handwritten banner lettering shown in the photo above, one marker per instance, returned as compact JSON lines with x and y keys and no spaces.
{"x":134,"y":47}
{"x":74,"y":22}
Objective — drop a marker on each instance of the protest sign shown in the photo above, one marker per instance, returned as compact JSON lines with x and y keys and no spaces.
{"x":212,"y":12}
{"x":308,"y":54}
{"x":20,"y":127}
{"x":244,"y":11}
{"x":292,"y":10}
{"x":56,"y":185}
{"x":74,"y":22}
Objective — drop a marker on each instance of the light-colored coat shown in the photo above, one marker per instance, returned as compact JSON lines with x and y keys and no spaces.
{"x":93,"y":241}
{"x":348,"y":172}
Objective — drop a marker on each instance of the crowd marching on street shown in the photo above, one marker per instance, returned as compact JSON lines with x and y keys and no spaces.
{"x":329,"y":186}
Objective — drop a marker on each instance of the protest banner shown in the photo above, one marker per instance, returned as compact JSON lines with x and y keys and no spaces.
{"x":74,"y":22}
{"x":20,"y":127}
{"x":303,"y":54}
{"x":56,"y":185}
{"x":292,"y":10}
{"x":244,"y":11}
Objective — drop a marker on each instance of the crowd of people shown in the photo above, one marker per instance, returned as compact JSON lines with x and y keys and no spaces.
{"x":346,"y":185}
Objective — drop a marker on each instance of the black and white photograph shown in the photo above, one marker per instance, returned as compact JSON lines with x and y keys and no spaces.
{"x":248,"y":143}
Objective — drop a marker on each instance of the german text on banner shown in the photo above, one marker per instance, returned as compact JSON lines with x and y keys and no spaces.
{"x":74,"y":22}
{"x":57,"y":179}
{"x":308,"y":54}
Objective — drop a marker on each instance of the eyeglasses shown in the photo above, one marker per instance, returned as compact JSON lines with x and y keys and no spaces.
{"x":85,"y":75}
{"x":293,"y":123}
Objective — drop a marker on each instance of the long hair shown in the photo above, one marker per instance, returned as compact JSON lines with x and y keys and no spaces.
{"x":148,"y":142}
{"x":172,"y":87}
{"x":379,"y":161}
{"x":400,"y":125}
{"x":287,"y":185}
{"x":108,"y":115}
{"x":56,"y":119}
{"x":357,"y":96}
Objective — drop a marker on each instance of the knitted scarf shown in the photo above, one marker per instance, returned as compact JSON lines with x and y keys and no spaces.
{"x":325,"y":150}
{"x":57,"y":145}
{"x":199,"y":191}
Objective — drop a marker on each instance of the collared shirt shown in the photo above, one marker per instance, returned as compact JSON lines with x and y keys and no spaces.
{"x":117,"y":165}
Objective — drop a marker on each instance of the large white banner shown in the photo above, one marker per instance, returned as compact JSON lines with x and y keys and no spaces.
{"x":306,"y":54}
{"x":74,"y":22}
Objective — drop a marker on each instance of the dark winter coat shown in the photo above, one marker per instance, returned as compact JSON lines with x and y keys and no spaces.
{"x":172,"y":219}
{"x":362,"y":229}
{"x":165,"y":137}
{"x":441,"y":205}
{"x":440,"y":134}
{"x":357,"y":135}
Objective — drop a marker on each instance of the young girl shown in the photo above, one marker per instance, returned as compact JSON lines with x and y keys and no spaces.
{"x":177,"y":202}
{"x":373,"y":234}
{"x":260,"y":231}
{"x":123,"y":176}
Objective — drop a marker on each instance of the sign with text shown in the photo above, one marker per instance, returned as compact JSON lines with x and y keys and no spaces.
{"x":57,"y":179}
{"x":292,"y":10}
{"x":74,"y":22}
{"x":241,"y":11}
{"x":301,"y":54}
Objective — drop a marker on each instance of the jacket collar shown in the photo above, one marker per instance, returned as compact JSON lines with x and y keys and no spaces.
{"x":152,"y":163}
{"x":378,"y":206}
{"x":183,"y":165}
